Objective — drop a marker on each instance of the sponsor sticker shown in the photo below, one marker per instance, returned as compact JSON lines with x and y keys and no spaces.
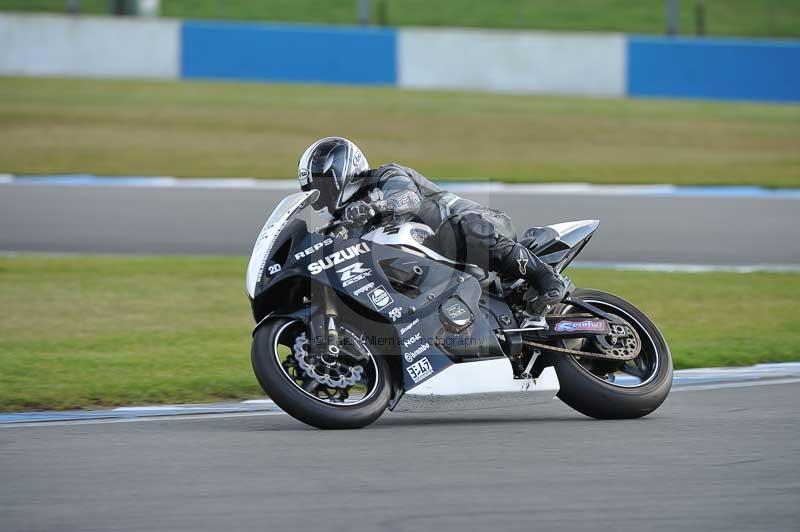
{"x":303,"y":174}
{"x":409,"y":326}
{"x":395,"y":313}
{"x":361,"y":289}
{"x":312,"y":249}
{"x":353,"y":273}
{"x":585,"y":325}
{"x":413,"y":340}
{"x":419,"y":370}
{"x":411,"y":355}
{"x":337,"y":257}
{"x":380,"y":298}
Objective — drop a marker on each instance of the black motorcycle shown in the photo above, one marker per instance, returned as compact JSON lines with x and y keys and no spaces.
{"x":350,"y":323}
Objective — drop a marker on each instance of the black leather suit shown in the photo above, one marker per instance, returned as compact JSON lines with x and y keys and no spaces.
{"x":465,"y":230}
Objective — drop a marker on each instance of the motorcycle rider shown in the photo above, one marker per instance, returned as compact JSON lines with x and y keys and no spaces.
{"x":350,"y":191}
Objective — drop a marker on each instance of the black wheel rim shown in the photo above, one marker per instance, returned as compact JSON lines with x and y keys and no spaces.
{"x":353,"y":352}
{"x":629,"y":374}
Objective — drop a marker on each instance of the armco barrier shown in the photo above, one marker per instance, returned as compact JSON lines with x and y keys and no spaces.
{"x":469,"y":59}
{"x":728,"y":69}
{"x":311,"y":54}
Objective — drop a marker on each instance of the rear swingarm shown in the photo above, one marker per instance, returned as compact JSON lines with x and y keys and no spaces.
{"x":547,"y":348}
{"x":591,"y":309}
{"x":593,"y":323}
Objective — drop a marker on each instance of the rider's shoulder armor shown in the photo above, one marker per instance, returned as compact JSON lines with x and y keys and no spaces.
{"x":426,"y":187}
{"x":384,"y":180}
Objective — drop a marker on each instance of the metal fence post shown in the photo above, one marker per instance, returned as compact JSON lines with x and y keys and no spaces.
{"x":364,"y":11}
{"x":672,"y":17}
{"x":700,"y":19}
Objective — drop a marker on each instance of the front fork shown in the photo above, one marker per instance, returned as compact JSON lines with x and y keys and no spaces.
{"x":326,"y":322}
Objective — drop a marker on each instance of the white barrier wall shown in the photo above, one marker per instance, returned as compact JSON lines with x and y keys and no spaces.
{"x":42,"y":45}
{"x":510,"y":61}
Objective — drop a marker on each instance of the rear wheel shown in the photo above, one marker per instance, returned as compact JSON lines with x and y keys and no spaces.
{"x":607,"y":389}
{"x":348,"y":391}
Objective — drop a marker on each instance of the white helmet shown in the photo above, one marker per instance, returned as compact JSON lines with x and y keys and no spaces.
{"x":334,"y":166}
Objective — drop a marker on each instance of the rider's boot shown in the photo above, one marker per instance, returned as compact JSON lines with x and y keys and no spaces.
{"x":546,"y":287}
{"x":549,"y":290}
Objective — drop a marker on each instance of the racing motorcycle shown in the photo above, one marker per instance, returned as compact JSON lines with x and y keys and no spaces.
{"x":350,"y":322}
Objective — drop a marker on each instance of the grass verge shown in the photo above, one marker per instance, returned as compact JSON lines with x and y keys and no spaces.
{"x":100,"y":331}
{"x":226,"y":129}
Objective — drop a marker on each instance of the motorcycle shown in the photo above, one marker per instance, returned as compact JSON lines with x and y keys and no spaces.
{"x":352,"y":322}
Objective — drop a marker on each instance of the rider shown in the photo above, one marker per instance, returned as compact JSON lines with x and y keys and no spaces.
{"x":350,"y":191}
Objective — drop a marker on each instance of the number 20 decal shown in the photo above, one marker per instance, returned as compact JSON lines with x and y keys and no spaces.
{"x":274,"y":268}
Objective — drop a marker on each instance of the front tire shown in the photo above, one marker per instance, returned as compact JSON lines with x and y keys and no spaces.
{"x":270,"y":343}
{"x":593,"y":388}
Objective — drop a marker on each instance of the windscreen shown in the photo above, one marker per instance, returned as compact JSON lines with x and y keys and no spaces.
{"x":285,"y":211}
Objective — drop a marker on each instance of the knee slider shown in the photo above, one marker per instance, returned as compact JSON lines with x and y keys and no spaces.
{"x":478,"y":230}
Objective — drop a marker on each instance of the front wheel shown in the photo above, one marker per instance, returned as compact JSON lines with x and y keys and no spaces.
{"x":606,"y":389}
{"x":348,"y":392}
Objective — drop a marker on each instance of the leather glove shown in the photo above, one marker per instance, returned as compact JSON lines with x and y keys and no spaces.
{"x":358,"y":213}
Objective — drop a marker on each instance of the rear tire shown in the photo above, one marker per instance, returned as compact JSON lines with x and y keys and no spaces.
{"x":591,"y":395}
{"x":301,"y":406}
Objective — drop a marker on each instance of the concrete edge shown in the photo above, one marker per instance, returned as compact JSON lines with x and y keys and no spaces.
{"x":684,"y":380}
{"x":662,"y":190}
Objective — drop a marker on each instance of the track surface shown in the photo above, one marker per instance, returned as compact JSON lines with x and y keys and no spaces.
{"x":722,"y":459}
{"x":114,"y":219}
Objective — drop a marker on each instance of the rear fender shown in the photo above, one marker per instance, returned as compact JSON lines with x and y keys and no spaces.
{"x":572,"y":238}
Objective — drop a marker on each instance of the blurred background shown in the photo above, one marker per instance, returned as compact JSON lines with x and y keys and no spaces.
{"x":762,"y":18}
{"x":144,"y":142}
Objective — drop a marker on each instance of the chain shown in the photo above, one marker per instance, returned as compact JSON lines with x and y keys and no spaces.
{"x":587,"y":354}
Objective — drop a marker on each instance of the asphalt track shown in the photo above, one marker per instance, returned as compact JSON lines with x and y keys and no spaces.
{"x":709,"y":459}
{"x":686,"y":229}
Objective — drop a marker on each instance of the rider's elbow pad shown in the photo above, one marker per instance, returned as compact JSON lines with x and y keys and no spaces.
{"x":405,"y":202}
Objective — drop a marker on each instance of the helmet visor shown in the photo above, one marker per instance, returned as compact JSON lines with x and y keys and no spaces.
{"x":328,"y":172}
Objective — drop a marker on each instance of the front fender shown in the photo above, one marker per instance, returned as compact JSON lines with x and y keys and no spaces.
{"x":303,"y":313}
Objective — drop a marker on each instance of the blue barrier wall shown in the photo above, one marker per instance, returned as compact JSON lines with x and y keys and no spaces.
{"x":299,"y":53}
{"x":728,"y":69}
{"x":434,"y":58}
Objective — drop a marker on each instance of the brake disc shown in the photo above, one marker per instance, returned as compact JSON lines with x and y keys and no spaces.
{"x":335,"y":375}
{"x":623,"y":343}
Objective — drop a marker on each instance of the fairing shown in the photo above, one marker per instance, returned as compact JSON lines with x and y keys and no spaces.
{"x":289,"y":207}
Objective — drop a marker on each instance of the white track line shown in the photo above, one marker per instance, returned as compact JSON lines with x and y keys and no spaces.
{"x":485,"y":187}
{"x":193,"y":417}
{"x":687,"y":268}
{"x":578,"y":264}
{"x":744,"y":384}
{"x":180,"y":417}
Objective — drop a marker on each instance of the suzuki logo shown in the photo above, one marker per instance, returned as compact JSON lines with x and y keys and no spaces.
{"x":351,"y":271}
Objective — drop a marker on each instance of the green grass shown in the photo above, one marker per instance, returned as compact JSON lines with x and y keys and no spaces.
{"x":226,"y":129}
{"x":101,"y":331}
{"x":723,"y":17}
